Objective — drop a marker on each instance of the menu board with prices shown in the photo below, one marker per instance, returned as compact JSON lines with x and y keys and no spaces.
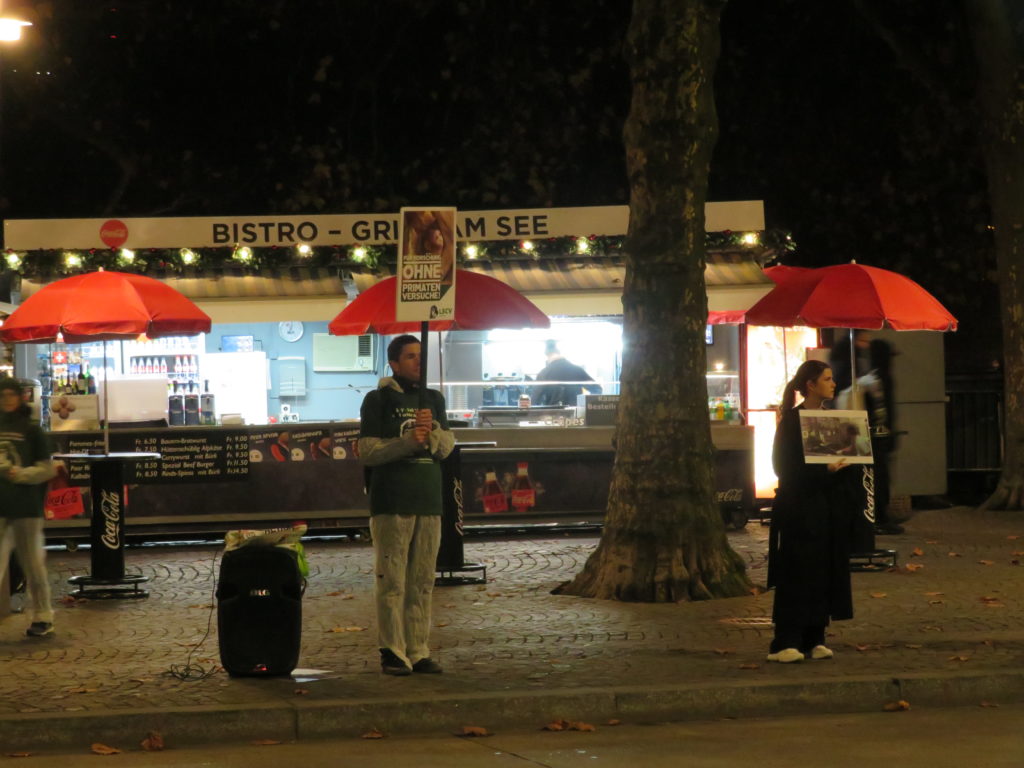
{"x":191,"y":457}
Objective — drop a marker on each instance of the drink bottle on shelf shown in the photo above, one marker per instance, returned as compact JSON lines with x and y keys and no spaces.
{"x":523,"y":495}
{"x":493,"y":495}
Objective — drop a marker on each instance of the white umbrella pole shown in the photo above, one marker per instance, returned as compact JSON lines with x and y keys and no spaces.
{"x":106,"y":410}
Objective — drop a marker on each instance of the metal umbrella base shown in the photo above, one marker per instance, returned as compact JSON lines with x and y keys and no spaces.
{"x":124,"y":588}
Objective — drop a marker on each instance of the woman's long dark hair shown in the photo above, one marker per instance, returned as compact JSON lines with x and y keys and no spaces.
{"x":810,"y":370}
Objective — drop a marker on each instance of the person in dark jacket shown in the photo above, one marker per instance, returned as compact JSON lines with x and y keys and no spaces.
{"x":25,"y":468}
{"x":568,"y":378}
{"x":808,"y":547}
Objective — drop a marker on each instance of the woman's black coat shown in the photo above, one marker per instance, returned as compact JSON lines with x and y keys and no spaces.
{"x":809,"y":548}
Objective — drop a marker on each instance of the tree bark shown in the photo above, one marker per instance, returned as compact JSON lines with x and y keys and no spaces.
{"x":664,"y":539}
{"x":995,"y":27}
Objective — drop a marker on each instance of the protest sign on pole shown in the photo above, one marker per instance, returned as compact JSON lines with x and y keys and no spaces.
{"x":426,"y":264}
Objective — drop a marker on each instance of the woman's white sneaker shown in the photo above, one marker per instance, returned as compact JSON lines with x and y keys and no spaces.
{"x":786,"y":656}
{"x":821,"y":652}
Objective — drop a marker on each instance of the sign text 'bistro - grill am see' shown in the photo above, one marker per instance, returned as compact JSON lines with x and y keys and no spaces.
{"x":343,"y":229}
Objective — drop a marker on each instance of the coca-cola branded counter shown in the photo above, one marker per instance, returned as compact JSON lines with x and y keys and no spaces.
{"x":209,"y":479}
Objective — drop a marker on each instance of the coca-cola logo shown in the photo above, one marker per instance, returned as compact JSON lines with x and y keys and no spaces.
{"x":110,"y":505}
{"x":457,"y":496}
{"x":63,"y":498}
{"x":733,"y":494}
{"x":114,"y":233}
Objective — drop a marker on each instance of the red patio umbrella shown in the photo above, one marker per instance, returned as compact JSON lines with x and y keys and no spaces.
{"x":848,"y":296}
{"x":481,"y":303}
{"x":103,"y":306}
{"x":844,"y":296}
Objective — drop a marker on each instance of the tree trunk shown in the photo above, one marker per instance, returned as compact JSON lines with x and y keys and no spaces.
{"x":997,"y":37}
{"x":664,"y":539}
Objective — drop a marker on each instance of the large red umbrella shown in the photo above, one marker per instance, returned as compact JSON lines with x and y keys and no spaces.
{"x":481,"y":303}
{"x":103,"y":306}
{"x":846,"y":296}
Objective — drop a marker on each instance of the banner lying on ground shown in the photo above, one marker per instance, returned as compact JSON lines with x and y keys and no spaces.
{"x":344,"y":229}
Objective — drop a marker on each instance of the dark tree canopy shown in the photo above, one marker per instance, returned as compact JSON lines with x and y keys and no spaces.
{"x":862,"y":149}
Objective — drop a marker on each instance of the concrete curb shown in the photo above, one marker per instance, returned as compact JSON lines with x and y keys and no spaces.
{"x":290,"y":721}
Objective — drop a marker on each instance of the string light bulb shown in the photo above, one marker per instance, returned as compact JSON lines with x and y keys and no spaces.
{"x":188,"y":256}
{"x":750,"y":238}
{"x":471,"y":251}
{"x":527,"y":245}
{"x":242,"y":253}
{"x":304,"y":249}
{"x":13,"y":260}
{"x":358,"y":253}
{"x":72,"y":259}
{"x":582,"y":245}
{"x":128,"y":255}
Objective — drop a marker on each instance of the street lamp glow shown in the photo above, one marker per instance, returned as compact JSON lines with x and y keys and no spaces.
{"x":10,"y":29}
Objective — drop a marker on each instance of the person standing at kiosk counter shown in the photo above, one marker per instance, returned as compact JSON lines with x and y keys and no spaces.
{"x":558,"y":368}
{"x":25,"y":468}
{"x":402,"y":441}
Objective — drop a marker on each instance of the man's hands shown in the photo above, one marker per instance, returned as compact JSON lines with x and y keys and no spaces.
{"x":424,"y":423}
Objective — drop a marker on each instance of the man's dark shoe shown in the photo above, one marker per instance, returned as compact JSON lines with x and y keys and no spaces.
{"x":390,"y":664}
{"x":427,"y":666}
{"x":888,"y":529}
{"x":40,"y":629}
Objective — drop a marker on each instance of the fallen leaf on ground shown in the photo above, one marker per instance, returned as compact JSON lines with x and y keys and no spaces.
{"x":346,"y":629}
{"x":82,"y":690}
{"x":1013,"y":536}
{"x":933,"y":594}
{"x":555,"y":725}
{"x":989,"y":599}
{"x":911,"y":567}
{"x":959,"y":658}
{"x":987,"y":704}
{"x":473,"y":730}
{"x":373,"y":734}
{"x":879,"y":594}
{"x":153,"y":743}
{"x":67,"y":600}
{"x":333,"y":594}
{"x":264,"y":742}
{"x":441,"y":624}
{"x":103,"y":749}
{"x":18,"y":754}
{"x":897,"y":706}
{"x":348,"y":597}
{"x":614,"y":722}
{"x":913,"y":646}
{"x":204,"y":607}
{"x":916,"y":552}
{"x":954,"y":554}
{"x":301,"y":691}
{"x":583,"y":727}
{"x":986,"y":562}
{"x":936,"y":602}
{"x":750,"y":666}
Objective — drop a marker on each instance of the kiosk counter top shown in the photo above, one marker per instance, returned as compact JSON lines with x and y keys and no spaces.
{"x":212,"y":478}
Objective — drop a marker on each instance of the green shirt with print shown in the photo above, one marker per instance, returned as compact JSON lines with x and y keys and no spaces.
{"x":410,"y":485}
{"x":22,"y":444}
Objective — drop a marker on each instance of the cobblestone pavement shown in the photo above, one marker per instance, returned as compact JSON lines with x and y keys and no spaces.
{"x":954,"y":606}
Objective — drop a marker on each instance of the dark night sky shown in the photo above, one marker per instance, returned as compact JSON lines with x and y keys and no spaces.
{"x":154,"y":107}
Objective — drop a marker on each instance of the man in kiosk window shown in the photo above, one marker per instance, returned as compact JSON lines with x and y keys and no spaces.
{"x":559,"y":369}
{"x":403,"y":439}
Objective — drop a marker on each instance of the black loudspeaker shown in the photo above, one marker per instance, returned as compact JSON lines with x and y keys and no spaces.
{"x":259,"y":611}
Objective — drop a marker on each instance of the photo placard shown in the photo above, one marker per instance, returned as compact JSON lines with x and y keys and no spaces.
{"x":829,"y":436}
